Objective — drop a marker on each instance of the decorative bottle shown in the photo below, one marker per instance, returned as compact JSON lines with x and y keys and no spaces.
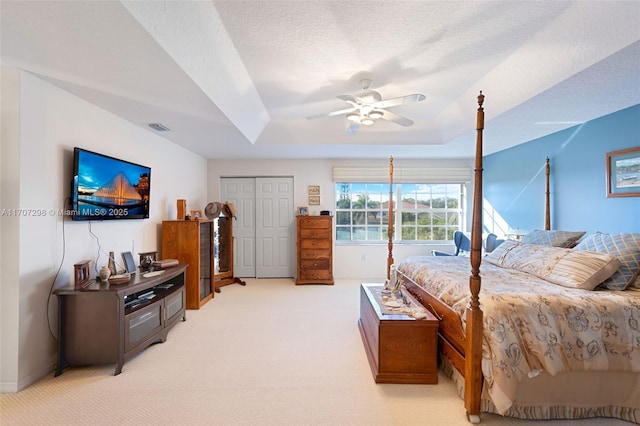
{"x":112,"y":264}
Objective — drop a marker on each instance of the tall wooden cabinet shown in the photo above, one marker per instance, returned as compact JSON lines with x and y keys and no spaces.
{"x":191,"y":242}
{"x":315,"y":250}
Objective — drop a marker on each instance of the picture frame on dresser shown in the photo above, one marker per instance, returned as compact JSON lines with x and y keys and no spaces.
{"x":302,"y":211}
{"x":623,"y":173}
{"x":129,"y":264}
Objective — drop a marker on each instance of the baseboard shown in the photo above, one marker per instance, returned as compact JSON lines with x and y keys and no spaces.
{"x":13,"y":387}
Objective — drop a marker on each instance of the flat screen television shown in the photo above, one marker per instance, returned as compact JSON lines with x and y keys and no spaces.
{"x":105,"y":188}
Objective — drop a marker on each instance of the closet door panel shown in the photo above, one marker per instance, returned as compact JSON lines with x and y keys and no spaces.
{"x":241,"y":192}
{"x":274,"y":236}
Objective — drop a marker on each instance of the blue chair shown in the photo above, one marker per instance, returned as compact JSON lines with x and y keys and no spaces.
{"x":462,"y":242}
{"x":491,"y":243}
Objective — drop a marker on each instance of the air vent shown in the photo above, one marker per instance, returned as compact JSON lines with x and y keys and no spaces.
{"x":158,"y":127}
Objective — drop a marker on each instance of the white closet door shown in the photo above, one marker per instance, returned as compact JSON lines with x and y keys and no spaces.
{"x":264,"y":227}
{"x":274,"y":230}
{"x":242,"y":192}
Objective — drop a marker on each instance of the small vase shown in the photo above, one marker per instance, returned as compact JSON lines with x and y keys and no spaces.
{"x":104,"y":273}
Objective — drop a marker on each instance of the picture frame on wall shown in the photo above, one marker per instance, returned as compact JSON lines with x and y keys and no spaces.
{"x":314,"y":200}
{"x":623,"y":173}
{"x":303,"y":211}
{"x":314,"y":190}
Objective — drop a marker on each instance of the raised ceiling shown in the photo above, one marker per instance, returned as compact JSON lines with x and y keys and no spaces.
{"x":237,"y":79}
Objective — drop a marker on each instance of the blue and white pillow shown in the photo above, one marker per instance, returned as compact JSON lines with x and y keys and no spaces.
{"x":625,"y":247}
{"x":569,"y":268}
{"x":564,"y":239}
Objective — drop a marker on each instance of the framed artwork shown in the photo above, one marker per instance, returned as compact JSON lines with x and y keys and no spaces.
{"x":146,"y":260}
{"x":623,"y":173}
{"x":196,"y":214}
{"x":303,"y":211}
{"x":314,"y":189}
{"x":314,"y":200}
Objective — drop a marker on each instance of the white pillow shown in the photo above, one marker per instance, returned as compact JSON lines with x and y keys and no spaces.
{"x":565,"y":267}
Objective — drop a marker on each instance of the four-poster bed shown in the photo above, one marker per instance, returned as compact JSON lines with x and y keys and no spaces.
{"x":546,"y":345}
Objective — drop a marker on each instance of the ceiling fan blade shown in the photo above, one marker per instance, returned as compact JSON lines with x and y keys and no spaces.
{"x":398,"y":119}
{"x":416,"y":97}
{"x":333,"y":113}
{"x":348,"y":98}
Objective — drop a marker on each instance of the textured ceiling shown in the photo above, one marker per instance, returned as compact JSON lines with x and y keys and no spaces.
{"x":237,"y":79}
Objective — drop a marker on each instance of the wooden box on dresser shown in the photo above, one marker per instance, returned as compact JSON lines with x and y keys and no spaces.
{"x":315,"y":250}
{"x":191,"y":242}
{"x":104,"y":323}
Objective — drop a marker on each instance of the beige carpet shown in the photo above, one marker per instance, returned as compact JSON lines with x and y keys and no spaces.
{"x":270,"y":353}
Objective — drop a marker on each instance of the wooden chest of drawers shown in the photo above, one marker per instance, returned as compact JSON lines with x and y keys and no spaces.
{"x":315,"y":250}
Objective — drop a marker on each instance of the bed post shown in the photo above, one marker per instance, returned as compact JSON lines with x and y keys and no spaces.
{"x":390,"y":220}
{"x":547,"y":203}
{"x":473,"y":355}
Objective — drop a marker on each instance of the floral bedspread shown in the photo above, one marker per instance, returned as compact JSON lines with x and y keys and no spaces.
{"x":531,"y":325}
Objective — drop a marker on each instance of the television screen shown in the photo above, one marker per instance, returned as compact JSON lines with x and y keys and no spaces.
{"x":108,"y":188}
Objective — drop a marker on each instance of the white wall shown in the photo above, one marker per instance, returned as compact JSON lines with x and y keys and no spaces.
{"x":365,"y":262}
{"x":51,"y":123}
{"x":9,"y":229}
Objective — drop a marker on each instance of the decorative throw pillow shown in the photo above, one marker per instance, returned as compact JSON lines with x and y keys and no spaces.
{"x":497,"y":255}
{"x":565,"y":239}
{"x":636,"y":283}
{"x":625,"y":247}
{"x":565,"y":267}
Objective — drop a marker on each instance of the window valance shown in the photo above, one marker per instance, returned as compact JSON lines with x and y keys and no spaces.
{"x":402,"y":174}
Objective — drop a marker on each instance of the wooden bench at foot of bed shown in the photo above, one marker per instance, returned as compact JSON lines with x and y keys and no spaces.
{"x":400,"y":349}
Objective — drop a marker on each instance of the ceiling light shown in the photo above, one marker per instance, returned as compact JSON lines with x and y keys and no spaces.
{"x":375,"y":115}
{"x":353,"y":116}
{"x":366,"y":121}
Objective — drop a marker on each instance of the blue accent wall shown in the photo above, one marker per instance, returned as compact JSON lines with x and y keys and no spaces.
{"x":514,"y":179}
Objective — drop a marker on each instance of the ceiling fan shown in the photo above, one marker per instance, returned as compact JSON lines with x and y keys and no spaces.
{"x":368,"y":106}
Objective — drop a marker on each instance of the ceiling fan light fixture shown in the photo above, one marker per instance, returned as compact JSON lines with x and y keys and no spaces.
{"x":367,"y":106}
{"x":375,"y":115}
{"x":366,"y":121}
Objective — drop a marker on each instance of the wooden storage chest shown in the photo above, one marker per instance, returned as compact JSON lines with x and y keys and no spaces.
{"x":400,"y":349}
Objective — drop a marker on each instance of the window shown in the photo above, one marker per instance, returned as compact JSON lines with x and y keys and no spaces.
{"x":427,"y":212}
